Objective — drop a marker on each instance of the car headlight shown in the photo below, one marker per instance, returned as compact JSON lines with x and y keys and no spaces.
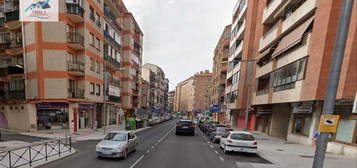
{"x":97,"y":148}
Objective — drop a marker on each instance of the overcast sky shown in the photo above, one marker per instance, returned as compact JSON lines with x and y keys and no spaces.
{"x":180,"y":35}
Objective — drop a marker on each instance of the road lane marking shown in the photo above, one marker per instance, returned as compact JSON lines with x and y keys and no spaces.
{"x":152,"y":147}
{"x":137,"y":161}
{"x":208,"y":142}
{"x":221,"y":158}
{"x":165,"y":135}
{"x":156,"y":143}
{"x":211,"y":146}
{"x":148,"y":151}
{"x":215,"y":152}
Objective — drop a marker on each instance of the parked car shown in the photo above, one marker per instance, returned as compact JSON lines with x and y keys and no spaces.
{"x":186,"y":127}
{"x":217,"y":133}
{"x":150,"y":122}
{"x":117,"y":144}
{"x":239,"y":141}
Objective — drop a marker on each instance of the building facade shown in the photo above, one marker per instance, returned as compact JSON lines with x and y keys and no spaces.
{"x":219,"y":75}
{"x":155,"y":77}
{"x":241,"y":64}
{"x":193,"y":94}
{"x":65,"y":74}
{"x":171,"y":99}
{"x":296,"y":41}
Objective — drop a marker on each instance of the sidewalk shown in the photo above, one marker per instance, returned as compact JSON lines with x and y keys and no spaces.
{"x":288,"y":155}
{"x":81,"y":135}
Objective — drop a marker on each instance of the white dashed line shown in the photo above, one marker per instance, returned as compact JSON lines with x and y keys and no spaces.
{"x":137,"y":161}
{"x":152,"y":147}
{"x":221,"y":158}
{"x":208,"y":142}
{"x":215,"y":152}
{"x":148,"y":151}
{"x":211,"y":146}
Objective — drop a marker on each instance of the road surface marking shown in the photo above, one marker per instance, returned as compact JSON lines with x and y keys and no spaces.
{"x":148,"y":151}
{"x":215,"y":152}
{"x":221,"y":159}
{"x":165,"y":135}
{"x":152,"y":147}
{"x":208,"y":142}
{"x":211,"y":146}
{"x":137,"y":161}
{"x":156,"y":143}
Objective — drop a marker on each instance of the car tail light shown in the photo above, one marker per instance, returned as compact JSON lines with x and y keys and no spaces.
{"x":255,"y":143}
{"x":229,"y":141}
{"x":178,"y":125}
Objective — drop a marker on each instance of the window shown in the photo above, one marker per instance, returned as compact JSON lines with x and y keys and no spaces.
{"x":302,"y":124}
{"x":346,"y":131}
{"x":98,"y":67}
{"x":98,"y":44}
{"x":285,"y":77}
{"x":91,"y":13}
{"x":93,"y":88}
{"x":92,"y":39}
{"x":92,"y":64}
{"x":98,"y":90}
{"x":97,"y":19}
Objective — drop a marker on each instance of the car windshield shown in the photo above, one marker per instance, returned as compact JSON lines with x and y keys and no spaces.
{"x":243,"y":137}
{"x":186,"y":122}
{"x":115,"y":137}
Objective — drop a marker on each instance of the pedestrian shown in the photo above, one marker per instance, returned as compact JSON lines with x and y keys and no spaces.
{"x":315,"y":138}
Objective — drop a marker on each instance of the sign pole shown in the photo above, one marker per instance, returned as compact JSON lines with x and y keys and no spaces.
{"x":336,"y":64}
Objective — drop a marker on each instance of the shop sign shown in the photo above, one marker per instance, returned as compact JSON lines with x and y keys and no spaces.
{"x":86,"y":106}
{"x":354,"y":109}
{"x":302,"y":110}
{"x":39,"y":10}
{"x":329,"y":123}
{"x":114,"y":91}
{"x":54,"y":105}
{"x":260,"y":112}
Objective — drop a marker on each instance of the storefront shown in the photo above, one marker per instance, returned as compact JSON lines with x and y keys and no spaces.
{"x":263,"y":120}
{"x":52,"y":116}
{"x":302,"y":118}
{"x":347,"y":126}
{"x":86,"y":115}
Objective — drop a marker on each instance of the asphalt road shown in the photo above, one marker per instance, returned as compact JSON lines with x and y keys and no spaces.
{"x":160,"y":148}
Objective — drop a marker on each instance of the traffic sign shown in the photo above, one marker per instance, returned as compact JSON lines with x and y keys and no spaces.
{"x":329,"y":123}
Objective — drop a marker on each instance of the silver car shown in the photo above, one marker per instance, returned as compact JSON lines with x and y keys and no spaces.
{"x":117,"y":144}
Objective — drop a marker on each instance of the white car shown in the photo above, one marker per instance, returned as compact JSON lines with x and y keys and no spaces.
{"x":117,"y":144}
{"x":239,"y":141}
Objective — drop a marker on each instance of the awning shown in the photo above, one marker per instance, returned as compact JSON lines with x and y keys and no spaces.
{"x":266,"y":53}
{"x":293,"y":38}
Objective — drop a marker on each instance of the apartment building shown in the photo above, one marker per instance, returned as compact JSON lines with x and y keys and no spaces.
{"x":193,"y":94}
{"x":132,"y":64}
{"x":219,"y":75}
{"x":65,"y":74}
{"x":241,"y":64}
{"x":155,"y":76}
{"x":296,"y":41}
{"x":171,"y":99}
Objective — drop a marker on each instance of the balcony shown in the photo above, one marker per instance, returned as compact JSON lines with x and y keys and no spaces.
{"x":17,"y":94}
{"x":271,"y":9}
{"x":76,"y":93}
{"x":268,"y":37}
{"x":301,"y":13}
{"x":4,"y":71}
{"x":75,"y":68}
{"x":4,"y":95}
{"x":111,"y":60}
{"x":241,"y":29}
{"x":14,"y":46}
{"x":12,"y":20}
{"x":75,"y":12}
{"x":110,"y":39}
{"x":75,"y":40}
{"x":261,"y":97}
{"x":2,"y":22}
{"x":242,"y":9}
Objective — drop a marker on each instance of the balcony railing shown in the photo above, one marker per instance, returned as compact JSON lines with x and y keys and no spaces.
{"x":14,"y":43}
{"x":76,"y":9}
{"x":2,"y":21}
{"x":111,"y":60}
{"x":262,"y":92}
{"x":76,"y":93}
{"x":75,"y":66}
{"x":17,"y":94}
{"x":4,"y":71}
{"x":110,"y":39}
{"x":12,"y":16}
{"x":4,"y":94}
{"x":74,"y":37}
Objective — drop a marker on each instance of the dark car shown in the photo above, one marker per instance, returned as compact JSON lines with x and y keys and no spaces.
{"x":185,"y":127}
{"x":218,"y":132}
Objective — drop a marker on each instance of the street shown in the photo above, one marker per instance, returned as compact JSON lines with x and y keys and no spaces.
{"x":160,"y":148}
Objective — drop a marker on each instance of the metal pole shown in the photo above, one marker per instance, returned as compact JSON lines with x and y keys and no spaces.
{"x":247,"y":111}
{"x":336,"y":64}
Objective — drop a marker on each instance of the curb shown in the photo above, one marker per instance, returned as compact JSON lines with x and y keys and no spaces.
{"x":49,"y":162}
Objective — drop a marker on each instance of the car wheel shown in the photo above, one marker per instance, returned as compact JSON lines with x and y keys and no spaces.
{"x":125,"y":154}
{"x":225,"y":150}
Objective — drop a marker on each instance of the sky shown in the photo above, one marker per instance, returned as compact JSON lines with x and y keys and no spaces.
{"x":180,"y":35}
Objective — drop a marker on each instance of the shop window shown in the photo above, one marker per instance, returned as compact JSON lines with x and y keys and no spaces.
{"x":98,"y":90}
{"x":346,"y":130}
{"x":302,"y":124}
{"x":93,"y":88}
{"x":52,"y":119}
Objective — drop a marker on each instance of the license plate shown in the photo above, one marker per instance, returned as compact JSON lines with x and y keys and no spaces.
{"x":185,"y":127}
